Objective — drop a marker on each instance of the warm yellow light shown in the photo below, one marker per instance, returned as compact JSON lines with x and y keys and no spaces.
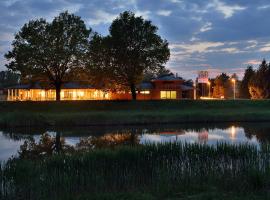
{"x":95,"y":93}
{"x":233,"y":80}
{"x":81,"y":93}
{"x":233,"y":132}
{"x":209,"y":83}
{"x":145,"y":92}
{"x":42,"y":93}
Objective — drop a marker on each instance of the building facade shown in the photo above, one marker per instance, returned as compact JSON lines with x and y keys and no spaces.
{"x":166,"y":87}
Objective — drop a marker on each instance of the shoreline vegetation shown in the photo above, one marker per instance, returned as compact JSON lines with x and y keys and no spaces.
{"x":96,"y":113}
{"x":151,"y":171}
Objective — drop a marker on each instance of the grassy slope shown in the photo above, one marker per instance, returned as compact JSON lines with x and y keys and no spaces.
{"x":128,"y":112}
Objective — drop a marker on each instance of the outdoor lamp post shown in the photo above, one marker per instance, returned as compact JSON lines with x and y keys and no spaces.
{"x":233,"y":80}
{"x":209,"y":84}
{"x":194,"y":95}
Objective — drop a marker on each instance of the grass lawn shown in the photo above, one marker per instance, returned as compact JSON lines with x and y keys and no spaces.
{"x":84,"y":113}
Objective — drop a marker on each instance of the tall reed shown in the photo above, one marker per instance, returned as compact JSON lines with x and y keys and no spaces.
{"x":159,"y":169}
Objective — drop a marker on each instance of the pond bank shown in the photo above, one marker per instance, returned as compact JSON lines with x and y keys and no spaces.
{"x":88,"y":113}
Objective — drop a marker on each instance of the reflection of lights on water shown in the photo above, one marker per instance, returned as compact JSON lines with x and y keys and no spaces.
{"x":203,"y":136}
{"x":233,"y":133}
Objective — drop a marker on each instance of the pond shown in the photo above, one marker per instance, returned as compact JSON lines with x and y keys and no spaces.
{"x":210,"y":134}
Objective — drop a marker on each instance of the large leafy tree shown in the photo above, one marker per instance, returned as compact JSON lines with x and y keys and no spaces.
{"x":244,"y":91}
{"x":133,"y":48}
{"x":223,"y":86}
{"x":152,"y":74}
{"x":99,"y":63}
{"x":50,"y":51}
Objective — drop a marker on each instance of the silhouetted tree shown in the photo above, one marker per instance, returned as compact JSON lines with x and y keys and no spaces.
{"x":8,"y":78}
{"x":50,"y":50}
{"x":134,"y":47}
{"x":99,"y":62}
{"x":244,"y":91}
{"x":259,"y":85}
{"x":162,"y":71}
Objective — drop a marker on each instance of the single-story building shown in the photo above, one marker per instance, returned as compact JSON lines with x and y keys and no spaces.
{"x":165,"y":87}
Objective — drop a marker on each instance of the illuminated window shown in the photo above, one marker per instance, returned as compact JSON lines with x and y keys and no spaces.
{"x":173,"y":94}
{"x":168,"y":94}
{"x":81,"y":93}
{"x":42,"y":93}
{"x":163,"y":95}
{"x":120,"y":92}
{"x":145,"y":92}
{"x":130,"y":92}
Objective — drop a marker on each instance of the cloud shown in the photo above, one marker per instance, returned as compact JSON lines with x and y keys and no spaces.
{"x":263,"y":7}
{"x":208,"y":34}
{"x":252,"y":62}
{"x":227,"y":10}
{"x":101,"y":17}
{"x":252,"y":44}
{"x":144,"y":13}
{"x":206,"y":27}
{"x":176,"y":1}
{"x":265,"y":48}
{"x":165,"y":13}
{"x":200,"y":47}
{"x":229,"y":50}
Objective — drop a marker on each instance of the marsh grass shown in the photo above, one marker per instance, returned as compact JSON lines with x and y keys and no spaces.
{"x":171,"y":170}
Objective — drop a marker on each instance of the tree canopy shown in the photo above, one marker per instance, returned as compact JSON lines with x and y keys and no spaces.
{"x":50,"y":51}
{"x":131,"y":49}
{"x":259,"y":84}
{"x":244,"y":91}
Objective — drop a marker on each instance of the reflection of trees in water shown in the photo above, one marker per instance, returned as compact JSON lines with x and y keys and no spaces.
{"x":100,"y":137}
{"x":15,"y":136}
{"x":260,"y":130}
{"x":49,"y":145}
{"x":108,"y":140}
{"x":46,"y":146}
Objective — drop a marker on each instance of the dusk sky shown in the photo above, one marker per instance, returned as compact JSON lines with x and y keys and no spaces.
{"x":215,"y":35}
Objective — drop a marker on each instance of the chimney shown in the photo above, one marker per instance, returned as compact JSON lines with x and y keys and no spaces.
{"x":176,"y":75}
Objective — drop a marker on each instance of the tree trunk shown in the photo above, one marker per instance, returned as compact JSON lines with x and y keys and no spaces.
{"x":58,"y":91}
{"x":133,"y":91}
{"x":58,"y":145}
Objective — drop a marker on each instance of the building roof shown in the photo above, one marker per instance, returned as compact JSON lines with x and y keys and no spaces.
{"x":169,"y":77}
{"x":145,"y":85}
{"x":38,"y":85}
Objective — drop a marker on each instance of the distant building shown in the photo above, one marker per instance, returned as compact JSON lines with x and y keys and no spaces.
{"x":165,"y":87}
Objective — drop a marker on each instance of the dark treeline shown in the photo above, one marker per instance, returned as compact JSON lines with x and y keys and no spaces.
{"x":254,"y":85}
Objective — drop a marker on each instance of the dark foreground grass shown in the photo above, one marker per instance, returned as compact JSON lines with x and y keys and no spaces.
{"x":85,"y":113}
{"x":164,"y":171}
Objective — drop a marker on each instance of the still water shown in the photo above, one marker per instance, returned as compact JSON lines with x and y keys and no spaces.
{"x":250,"y":133}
